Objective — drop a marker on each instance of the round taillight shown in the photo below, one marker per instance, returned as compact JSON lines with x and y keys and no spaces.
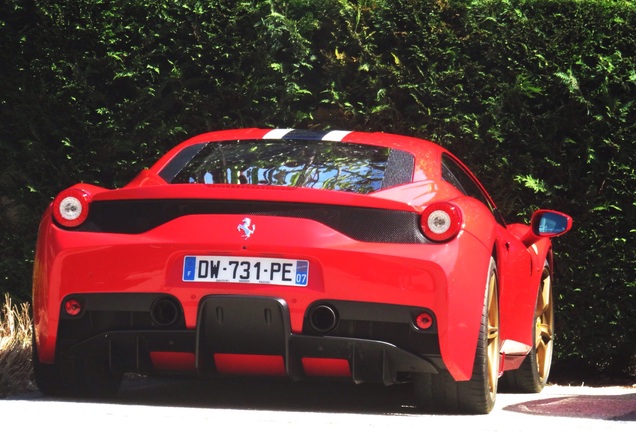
{"x":70,"y":208}
{"x":441,"y":221}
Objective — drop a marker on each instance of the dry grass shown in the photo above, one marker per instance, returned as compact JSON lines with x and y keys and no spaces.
{"x":16,"y":374}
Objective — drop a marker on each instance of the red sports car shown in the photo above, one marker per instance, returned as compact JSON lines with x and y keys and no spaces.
{"x":363,"y":256}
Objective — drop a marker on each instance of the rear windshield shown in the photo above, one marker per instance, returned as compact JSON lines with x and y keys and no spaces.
{"x":310,"y":164}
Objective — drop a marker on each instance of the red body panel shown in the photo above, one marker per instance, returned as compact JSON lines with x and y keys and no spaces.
{"x":340,"y":269}
{"x":448,"y":278}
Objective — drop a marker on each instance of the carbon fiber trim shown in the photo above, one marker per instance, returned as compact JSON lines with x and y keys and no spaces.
{"x":362,"y":224}
{"x":377,"y":321}
{"x":378,"y":340}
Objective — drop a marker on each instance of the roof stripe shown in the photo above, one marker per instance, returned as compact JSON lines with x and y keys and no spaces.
{"x":302,"y":134}
{"x":276,"y":133}
{"x":336,"y":135}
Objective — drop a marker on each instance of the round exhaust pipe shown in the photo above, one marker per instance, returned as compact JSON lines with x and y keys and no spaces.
{"x":164,"y":311}
{"x":323,"y":318}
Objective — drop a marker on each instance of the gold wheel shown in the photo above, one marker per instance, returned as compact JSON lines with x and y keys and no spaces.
{"x":544,"y":327}
{"x":532,"y":374}
{"x":493,"y":335}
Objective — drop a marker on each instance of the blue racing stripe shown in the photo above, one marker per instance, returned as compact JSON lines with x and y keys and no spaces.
{"x":302,"y":134}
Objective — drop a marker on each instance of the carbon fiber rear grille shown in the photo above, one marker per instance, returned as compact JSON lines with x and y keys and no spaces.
{"x":362,"y":224}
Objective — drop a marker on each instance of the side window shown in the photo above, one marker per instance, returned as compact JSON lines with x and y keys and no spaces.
{"x":457,"y":176}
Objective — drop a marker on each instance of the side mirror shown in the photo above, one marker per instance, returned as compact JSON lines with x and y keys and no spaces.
{"x":549,"y":223}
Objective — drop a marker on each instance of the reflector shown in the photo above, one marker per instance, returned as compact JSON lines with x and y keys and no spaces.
{"x":73,"y":307}
{"x":424,"y":321}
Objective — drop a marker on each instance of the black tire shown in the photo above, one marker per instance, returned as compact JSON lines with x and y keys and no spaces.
{"x":87,"y":377}
{"x":47,"y":377}
{"x":441,"y":393}
{"x":533,"y":373}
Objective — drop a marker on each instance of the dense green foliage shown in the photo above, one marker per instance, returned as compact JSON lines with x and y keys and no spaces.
{"x":537,"y":96}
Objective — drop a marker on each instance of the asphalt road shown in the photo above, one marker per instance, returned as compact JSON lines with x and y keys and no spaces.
{"x":243,"y":404}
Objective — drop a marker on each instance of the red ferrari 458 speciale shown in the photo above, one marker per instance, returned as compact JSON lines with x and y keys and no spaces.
{"x":363,"y":256}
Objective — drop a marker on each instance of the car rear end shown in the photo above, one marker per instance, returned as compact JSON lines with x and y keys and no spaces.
{"x":238,"y":261}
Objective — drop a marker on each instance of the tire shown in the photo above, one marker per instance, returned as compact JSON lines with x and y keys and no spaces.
{"x":441,"y":393}
{"x":47,"y":377}
{"x":87,"y":377}
{"x":533,"y":373}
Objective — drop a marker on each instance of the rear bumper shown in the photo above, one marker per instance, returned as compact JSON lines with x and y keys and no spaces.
{"x":447,"y":279}
{"x":377,"y":342}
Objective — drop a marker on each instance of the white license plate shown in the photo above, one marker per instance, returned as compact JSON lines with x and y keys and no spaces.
{"x":245,"y":270}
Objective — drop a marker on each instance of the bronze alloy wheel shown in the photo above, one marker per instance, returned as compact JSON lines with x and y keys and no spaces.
{"x":493,"y":335}
{"x":544,"y":326}
{"x":533,"y":373}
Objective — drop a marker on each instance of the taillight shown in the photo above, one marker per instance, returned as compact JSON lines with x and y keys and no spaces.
{"x":70,"y":208}
{"x":441,"y":221}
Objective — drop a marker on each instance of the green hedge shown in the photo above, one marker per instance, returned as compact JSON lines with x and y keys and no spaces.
{"x":537,"y":97}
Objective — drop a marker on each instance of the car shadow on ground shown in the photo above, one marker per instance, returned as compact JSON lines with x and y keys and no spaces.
{"x":326,"y":396}
{"x":608,"y":407}
{"x":269,"y":394}
{"x":346,"y":397}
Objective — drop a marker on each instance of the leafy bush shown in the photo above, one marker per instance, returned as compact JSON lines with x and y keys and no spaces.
{"x":536,"y":95}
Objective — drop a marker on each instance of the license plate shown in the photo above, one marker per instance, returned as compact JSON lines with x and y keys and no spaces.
{"x":245,"y":270}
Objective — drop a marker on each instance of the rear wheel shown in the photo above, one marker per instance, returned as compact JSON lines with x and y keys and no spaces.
{"x":85,"y":377}
{"x":533,"y":373}
{"x":441,"y":393}
{"x":47,"y":376}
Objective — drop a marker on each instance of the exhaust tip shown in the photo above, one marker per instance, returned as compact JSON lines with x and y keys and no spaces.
{"x":165,"y":312}
{"x":323,"y":318}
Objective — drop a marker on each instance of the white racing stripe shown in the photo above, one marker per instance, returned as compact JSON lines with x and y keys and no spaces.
{"x":336,"y":135}
{"x":276,"y":133}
